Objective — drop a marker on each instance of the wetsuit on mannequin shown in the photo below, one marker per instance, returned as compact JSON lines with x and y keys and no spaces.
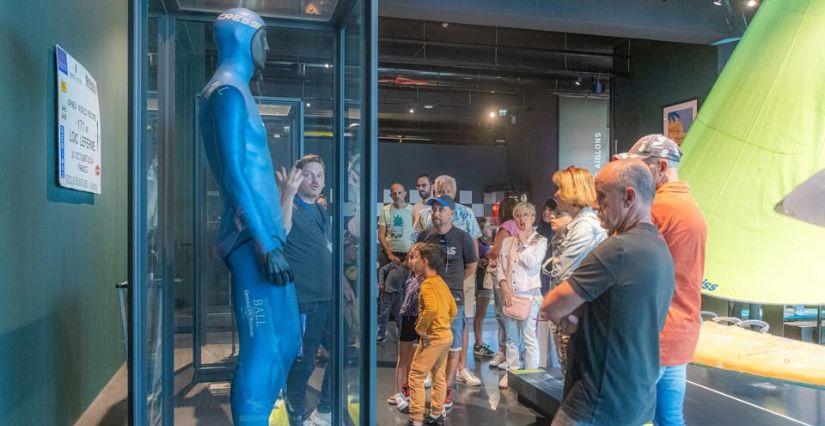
{"x":252,"y":233}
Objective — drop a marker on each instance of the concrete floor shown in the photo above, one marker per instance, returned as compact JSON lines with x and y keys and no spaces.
{"x":208,"y":403}
{"x":477,"y":406}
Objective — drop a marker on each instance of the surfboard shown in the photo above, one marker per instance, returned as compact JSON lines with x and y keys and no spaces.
{"x":760,"y":354}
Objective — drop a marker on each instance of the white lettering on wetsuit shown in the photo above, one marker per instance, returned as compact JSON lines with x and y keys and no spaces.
{"x":254,"y":313}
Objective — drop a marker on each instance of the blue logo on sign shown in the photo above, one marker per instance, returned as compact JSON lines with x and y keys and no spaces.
{"x":62,"y":63}
{"x":60,"y":141}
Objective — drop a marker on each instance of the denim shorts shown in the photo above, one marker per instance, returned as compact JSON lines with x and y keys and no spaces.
{"x":457,"y":327}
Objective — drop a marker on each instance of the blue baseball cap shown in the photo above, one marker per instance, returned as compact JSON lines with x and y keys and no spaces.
{"x":444,"y":200}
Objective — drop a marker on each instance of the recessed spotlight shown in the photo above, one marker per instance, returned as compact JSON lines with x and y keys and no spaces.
{"x":492,"y":114}
{"x":309,"y":104}
{"x":751,"y":3}
{"x":579,"y":80}
{"x":326,"y":66}
{"x":412,"y":110}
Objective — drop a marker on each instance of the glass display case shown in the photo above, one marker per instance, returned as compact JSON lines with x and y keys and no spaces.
{"x":315,"y":95}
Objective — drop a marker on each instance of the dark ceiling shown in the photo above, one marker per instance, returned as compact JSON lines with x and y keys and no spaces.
{"x":439,"y":81}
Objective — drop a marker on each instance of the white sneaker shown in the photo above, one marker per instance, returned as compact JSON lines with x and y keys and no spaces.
{"x":502,"y":384}
{"x":467,"y":377}
{"x":497,"y":359}
{"x":504,"y":365}
{"x":394,"y":399}
{"x":428,"y":382}
{"x":319,"y":419}
{"x":402,"y":404}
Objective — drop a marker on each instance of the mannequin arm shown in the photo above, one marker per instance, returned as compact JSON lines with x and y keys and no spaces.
{"x":230,"y":109}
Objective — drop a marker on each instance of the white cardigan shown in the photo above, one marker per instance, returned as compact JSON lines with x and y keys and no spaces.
{"x":526,"y":266}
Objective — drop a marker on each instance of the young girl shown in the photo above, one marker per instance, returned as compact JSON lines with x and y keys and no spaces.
{"x":407,"y":339}
{"x":483,"y":293}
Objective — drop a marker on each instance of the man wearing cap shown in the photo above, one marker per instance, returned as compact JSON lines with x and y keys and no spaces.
{"x":459,"y":264}
{"x":614,"y":306}
{"x":680,"y":221}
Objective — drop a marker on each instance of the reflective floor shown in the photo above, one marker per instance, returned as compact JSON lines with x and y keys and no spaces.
{"x":477,"y":406}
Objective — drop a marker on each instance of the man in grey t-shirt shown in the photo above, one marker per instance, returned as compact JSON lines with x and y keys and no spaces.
{"x":614,"y":306}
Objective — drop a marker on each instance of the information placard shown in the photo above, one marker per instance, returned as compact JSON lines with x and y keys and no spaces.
{"x":78,"y":125}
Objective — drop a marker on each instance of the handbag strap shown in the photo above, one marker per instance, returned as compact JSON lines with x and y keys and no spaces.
{"x":508,"y":271}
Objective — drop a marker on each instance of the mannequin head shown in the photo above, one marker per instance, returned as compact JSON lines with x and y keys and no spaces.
{"x":240,"y":36}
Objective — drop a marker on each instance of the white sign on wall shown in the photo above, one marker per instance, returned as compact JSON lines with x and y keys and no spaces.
{"x":584,"y":133}
{"x":78,"y":125}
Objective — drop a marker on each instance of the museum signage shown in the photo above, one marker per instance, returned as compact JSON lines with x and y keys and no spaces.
{"x":78,"y":125}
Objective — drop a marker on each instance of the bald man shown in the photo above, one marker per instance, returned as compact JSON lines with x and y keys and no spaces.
{"x":614,"y":306}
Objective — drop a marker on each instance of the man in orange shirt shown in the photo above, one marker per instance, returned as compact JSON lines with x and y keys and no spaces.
{"x":680,"y":221}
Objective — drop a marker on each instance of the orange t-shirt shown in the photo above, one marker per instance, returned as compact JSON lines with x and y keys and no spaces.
{"x":677,"y":215}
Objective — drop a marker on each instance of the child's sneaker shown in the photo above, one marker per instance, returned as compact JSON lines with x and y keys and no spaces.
{"x":483,"y":350}
{"x":394,"y":399}
{"x":448,"y":401}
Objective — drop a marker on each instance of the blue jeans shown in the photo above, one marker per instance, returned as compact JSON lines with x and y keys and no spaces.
{"x":389,"y":303}
{"x":521,"y":337}
{"x":457,"y":327}
{"x":317,"y":326}
{"x":670,"y":395}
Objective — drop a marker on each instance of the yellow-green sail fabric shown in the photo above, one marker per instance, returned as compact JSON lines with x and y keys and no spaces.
{"x":759,"y":135}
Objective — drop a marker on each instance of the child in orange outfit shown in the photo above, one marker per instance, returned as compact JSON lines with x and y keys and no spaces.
{"x":436,"y":310}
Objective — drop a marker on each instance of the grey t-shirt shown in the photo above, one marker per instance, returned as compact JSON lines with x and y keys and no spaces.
{"x":459,"y":250}
{"x":613,"y":358}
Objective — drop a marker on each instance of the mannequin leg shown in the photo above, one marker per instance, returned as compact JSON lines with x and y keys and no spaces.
{"x":269,"y":332}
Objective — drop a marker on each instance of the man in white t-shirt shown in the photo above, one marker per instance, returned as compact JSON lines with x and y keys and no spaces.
{"x":395,"y":224}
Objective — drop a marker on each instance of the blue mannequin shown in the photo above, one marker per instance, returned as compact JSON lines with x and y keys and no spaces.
{"x":252,"y":232}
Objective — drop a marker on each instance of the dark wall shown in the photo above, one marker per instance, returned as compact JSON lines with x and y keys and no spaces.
{"x":533,"y":146}
{"x":473,"y":167}
{"x":61,"y":251}
{"x":662,"y":74}
{"x":529,"y":157}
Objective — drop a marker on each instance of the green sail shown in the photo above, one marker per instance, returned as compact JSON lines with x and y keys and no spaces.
{"x":759,"y":135}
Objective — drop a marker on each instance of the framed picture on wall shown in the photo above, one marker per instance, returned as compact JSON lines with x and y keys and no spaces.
{"x":677,"y":118}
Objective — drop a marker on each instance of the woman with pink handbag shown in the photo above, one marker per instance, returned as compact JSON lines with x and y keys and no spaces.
{"x":519,"y":279}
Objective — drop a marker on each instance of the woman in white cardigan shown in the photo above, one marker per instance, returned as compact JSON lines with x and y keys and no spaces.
{"x":519,"y":278}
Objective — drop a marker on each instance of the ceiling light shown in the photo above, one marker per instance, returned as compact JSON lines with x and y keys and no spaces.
{"x":492,"y":114}
{"x":717,"y":2}
{"x":579,"y":80}
{"x":309,"y":104}
{"x":412,"y":110}
{"x":751,"y":3}
{"x":326,"y":66}
{"x":429,"y":106}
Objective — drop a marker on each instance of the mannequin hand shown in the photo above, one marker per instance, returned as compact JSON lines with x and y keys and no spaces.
{"x":289,"y":182}
{"x":277,"y":267}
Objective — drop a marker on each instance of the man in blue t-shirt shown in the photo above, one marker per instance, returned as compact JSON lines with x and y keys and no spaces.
{"x":309,"y":252}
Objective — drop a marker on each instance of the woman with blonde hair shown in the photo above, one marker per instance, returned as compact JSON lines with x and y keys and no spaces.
{"x":519,"y":278}
{"x":575,"y":195}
